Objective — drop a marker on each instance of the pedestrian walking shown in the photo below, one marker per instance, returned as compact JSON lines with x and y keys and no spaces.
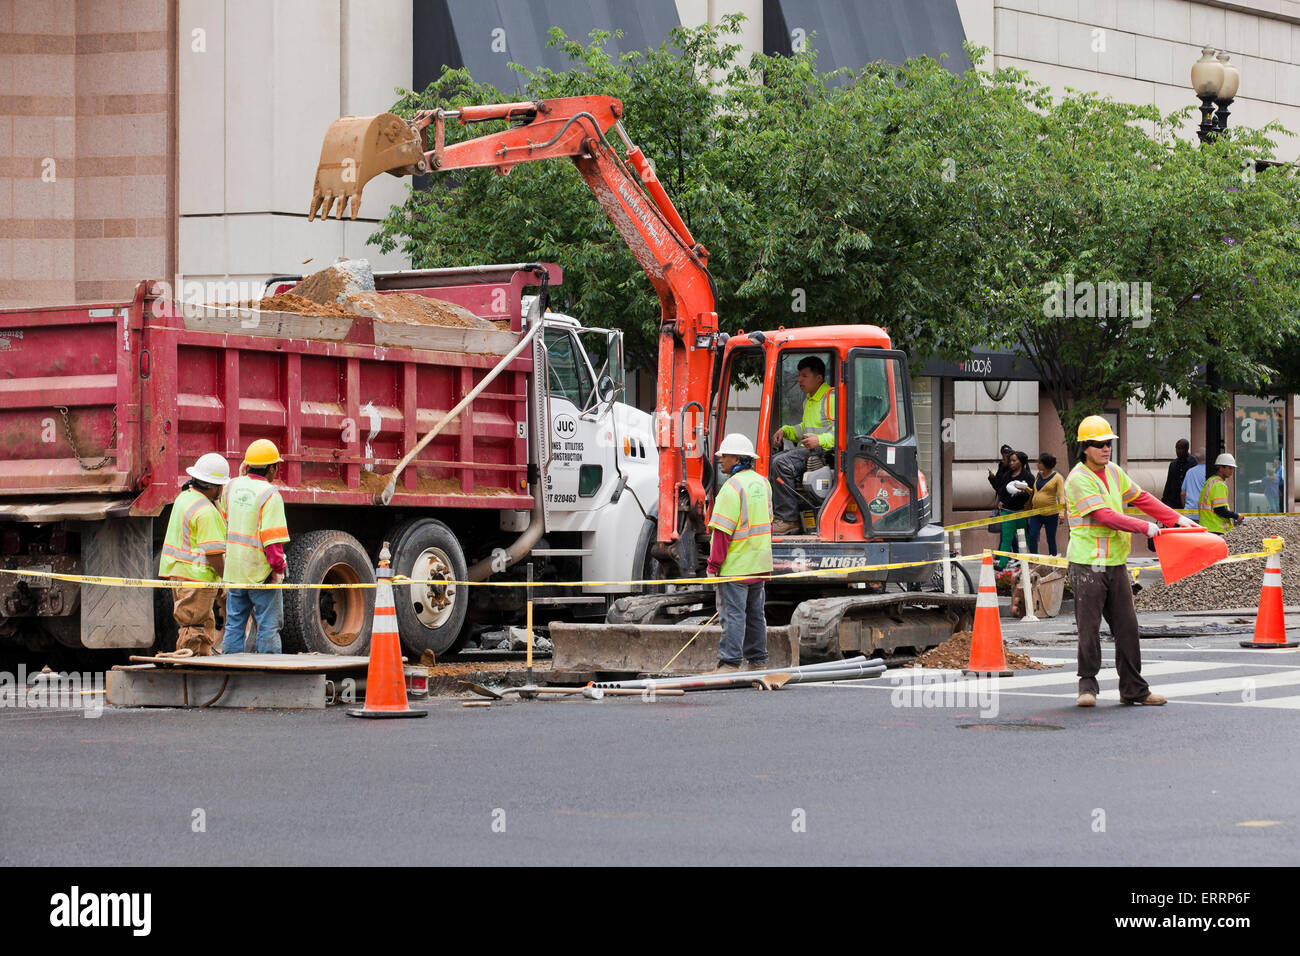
{"x":1193,"y":482}
{"x":1212,"y":507}
{"x":742,"y":547}
{"x":194,"y":550}
{"x":1096,"y":493}
{"x":1049,"y":492}
{"x":813,"y":436}
{"x":256,"y":532}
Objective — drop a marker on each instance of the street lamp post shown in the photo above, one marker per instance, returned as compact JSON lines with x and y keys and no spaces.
{"x":1215,"y":82}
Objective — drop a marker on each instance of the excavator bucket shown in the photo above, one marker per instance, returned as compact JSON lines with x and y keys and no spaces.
{"x":355,"y":151}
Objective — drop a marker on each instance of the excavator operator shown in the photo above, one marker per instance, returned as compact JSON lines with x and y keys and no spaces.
{"x":814,"y":435}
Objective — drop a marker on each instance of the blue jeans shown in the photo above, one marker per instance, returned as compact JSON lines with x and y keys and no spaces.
{"x":744,"y":624}
{"x":268,"y":611}
{"x":1047,"y":523}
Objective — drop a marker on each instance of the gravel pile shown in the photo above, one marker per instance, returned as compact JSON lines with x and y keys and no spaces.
{"x":954,"y":653}
{"x":1229,"y":585}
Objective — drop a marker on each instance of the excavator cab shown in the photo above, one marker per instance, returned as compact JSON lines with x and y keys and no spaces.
{"x":867,"y":485}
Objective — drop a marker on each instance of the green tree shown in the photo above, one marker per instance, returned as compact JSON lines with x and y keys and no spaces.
{"x":942,"y":206}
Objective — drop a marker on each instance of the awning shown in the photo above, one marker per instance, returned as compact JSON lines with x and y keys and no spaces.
{"x":486,"y":35}
{"x":853,"y":33}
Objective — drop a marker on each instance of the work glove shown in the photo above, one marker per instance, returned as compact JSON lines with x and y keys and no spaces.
{"x":1153,"y":529}
{"x":1185,"y":521}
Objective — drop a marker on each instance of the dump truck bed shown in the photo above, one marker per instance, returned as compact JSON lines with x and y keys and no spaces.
{"x":113,"y":401}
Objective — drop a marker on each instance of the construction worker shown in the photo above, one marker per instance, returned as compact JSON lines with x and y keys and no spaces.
{"x":1096,"y":493}
{"x":256,"y":532}
{"x":194,"y":550}
{"x":742,"y":546}
{"x":814,"y":435}
{"x":1213,"y":507}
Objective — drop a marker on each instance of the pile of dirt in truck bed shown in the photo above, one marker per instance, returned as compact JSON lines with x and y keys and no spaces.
{"x":954,"y":653}
{"x":348,"y":288}
{"x":288,"y":302}
{"x":335,"y":284}
{"x":411,"y":308}
{"x":1235,"y":585}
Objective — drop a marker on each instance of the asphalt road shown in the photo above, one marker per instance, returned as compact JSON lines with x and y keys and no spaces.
{"x":844,"y":774}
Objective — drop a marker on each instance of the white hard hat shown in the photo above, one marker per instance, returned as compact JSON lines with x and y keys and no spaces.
{"x":1225,"y":459}
{"x":737,"y":444}
{"x":210,"y":468}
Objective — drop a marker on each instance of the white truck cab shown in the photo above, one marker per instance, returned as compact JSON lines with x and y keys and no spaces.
{"x":598,"y":461}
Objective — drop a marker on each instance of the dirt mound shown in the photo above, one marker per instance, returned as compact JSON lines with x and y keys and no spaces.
{"x":288,"y":302}
{"x":954,"y":653}
{"x":1229,"y":585}
{"x":336,"y":284}
{"x":411,"y":308}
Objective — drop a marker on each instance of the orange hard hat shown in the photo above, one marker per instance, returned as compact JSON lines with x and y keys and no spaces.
{"x":262,"y":452}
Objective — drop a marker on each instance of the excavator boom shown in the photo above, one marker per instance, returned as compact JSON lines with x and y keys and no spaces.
{"x":358,"y":148}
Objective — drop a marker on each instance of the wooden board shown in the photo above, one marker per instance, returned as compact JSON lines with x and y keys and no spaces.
{"x":281,"y":325}
{"x":280,"y":663}
{"x":242,"y":689}
{"x":441,"y":338}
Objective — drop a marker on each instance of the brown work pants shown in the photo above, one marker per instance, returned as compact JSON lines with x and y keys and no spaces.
{"x":197,"y":623}
{"x":1107,"y":591}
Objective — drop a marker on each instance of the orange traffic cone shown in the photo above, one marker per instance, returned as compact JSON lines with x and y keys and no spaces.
{"x":1270,"y":624}
{"x":385,"y":681}
{"x":987,"y":659}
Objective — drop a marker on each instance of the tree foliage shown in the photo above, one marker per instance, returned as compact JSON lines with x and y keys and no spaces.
{"x":940,"y":205}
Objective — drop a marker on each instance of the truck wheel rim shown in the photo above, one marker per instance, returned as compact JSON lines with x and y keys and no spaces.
{"x":342,"y":611}
{"x":433,"y":603}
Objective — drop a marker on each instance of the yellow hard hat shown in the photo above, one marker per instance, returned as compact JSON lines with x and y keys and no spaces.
{"x":262,"y":452}
{"x":1095,"y":428}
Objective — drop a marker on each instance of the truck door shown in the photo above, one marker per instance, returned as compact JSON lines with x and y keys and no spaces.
{"x":880,"y":464}
{"x":575,"y":474}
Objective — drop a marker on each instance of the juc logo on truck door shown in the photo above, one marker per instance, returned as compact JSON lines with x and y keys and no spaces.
{"x":565,"y":426}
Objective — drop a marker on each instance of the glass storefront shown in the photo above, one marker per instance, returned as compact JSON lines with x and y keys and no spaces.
{"x":1260,"y":481}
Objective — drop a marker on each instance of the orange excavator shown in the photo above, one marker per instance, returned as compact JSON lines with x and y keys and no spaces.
{"x":863,"y":502}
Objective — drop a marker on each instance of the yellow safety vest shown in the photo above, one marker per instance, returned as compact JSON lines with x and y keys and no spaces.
{"x":744,"y":511}
{"x":818,"y":418}
{"x":196,"y":530}
{"x":1214,"y":494}
{"x":1091,"y":543}
{"x":254,"y":518}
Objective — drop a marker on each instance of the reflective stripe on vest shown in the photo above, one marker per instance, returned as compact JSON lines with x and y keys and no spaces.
{"x":246,"y":555}
{"x":1213,"y":493}
{"x":1090,"y":542}
{"x":182,"y":555}
{"x":751,"y":540}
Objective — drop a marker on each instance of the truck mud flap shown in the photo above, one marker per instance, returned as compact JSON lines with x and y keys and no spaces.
{"x":117,"y":616}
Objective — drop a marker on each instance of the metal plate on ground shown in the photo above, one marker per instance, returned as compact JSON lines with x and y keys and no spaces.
{"x":280,"y":663}
{"x":647,"y":648}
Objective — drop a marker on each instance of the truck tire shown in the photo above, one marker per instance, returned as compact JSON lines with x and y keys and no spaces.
{"x":328,"y":621}
{"x":429,"y":617}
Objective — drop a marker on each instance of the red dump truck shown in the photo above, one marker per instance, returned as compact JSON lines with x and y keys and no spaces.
{"x":103,"y":407}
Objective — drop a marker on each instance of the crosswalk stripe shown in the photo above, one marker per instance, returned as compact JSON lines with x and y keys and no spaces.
{"x":1233,"y":685}
{"x":1038,"y":679}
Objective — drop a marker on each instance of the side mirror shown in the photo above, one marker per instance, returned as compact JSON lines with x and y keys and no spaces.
{"x":605,"y":388}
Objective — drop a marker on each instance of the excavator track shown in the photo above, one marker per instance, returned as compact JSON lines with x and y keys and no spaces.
{"x":878,"y":624}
